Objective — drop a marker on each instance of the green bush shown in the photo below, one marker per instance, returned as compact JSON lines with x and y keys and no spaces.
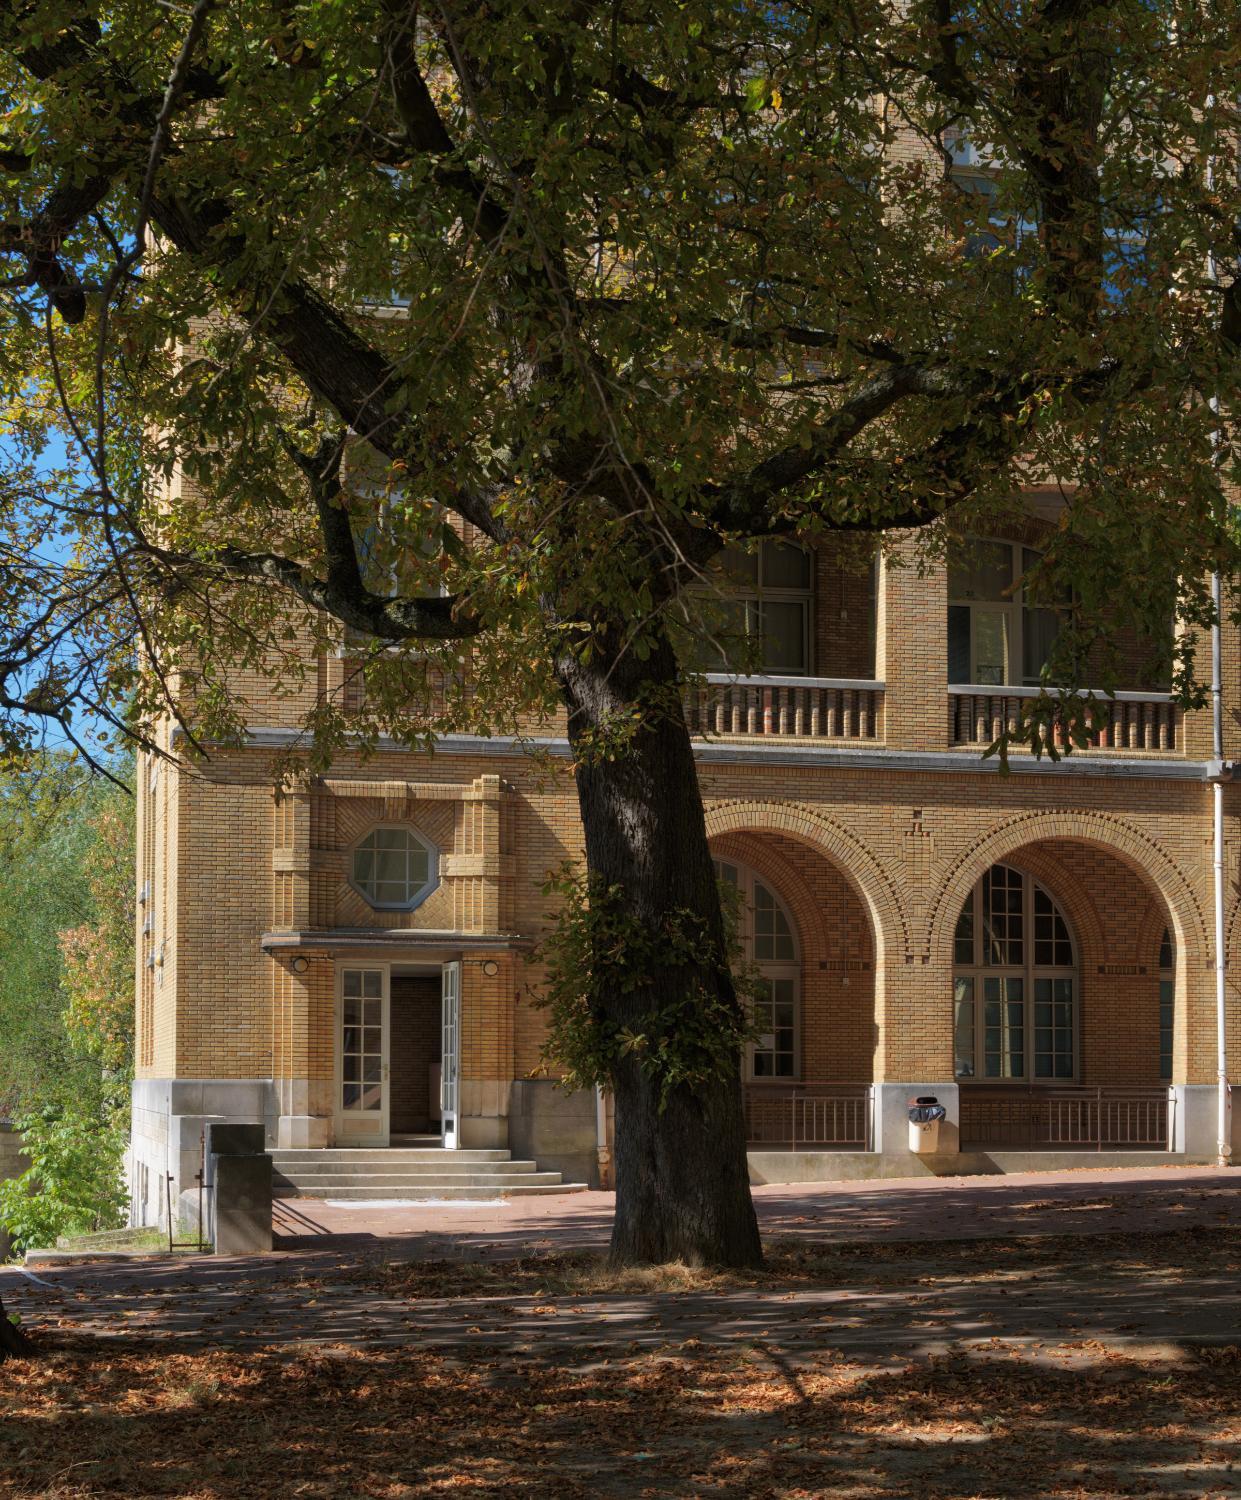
{"x":75,"y":1182}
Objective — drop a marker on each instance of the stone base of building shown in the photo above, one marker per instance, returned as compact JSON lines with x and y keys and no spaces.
{"x":788,"y":1167}
{"x":168,"y":1119}
{"x":558,"y":1130}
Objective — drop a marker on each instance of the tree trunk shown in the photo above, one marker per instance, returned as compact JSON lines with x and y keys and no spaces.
{"x":14,"y":1344}
{"x":682,"y":1186}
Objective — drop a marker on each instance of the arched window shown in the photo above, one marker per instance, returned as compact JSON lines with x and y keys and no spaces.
{"x":394,"y":868}
{"x":1015,"y":983}
{"x":1167,"y":1004}
{"x":998,"y":633}
{"x":770,"y":946}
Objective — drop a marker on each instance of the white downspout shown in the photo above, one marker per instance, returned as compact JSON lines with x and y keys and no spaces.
{"x":1223,"y":1122}
{"x":1223,"y":1134}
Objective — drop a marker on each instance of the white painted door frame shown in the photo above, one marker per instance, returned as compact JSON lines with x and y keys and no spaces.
{"x":450,"y":1053}
{"x":363,"y":1043}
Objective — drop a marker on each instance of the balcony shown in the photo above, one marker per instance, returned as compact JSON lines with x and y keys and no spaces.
{"x":1068,"y":1118}
{"x":819,"y":708}
{"x":1129,"y":723}
{"x":808,"y":1116}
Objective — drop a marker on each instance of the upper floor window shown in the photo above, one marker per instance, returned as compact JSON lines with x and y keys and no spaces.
{"x":394,"y":868}
{"x":764,"y":622}
{"x":997,"y":633}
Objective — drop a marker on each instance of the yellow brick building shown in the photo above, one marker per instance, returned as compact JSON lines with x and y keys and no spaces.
{"x":349,"y":960}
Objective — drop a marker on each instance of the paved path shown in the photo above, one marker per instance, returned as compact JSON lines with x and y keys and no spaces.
{"x":328,"y":1288}
{"x":941,"y":1208}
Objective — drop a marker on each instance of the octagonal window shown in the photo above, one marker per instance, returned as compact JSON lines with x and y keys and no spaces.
{"x":394,"y":869}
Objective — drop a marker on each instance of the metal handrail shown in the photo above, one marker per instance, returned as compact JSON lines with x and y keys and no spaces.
{"x":1008,"y":690}
{"x":821,"y":1116}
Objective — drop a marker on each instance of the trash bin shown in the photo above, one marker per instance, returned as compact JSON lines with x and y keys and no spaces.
{"x":925,"y":1113}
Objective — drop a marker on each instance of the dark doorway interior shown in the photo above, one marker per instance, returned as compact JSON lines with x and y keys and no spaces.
{"x":415,"y":1054}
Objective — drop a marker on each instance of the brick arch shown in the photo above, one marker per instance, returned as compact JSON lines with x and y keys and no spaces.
{"x":836,"y":946}
{"x":1140,"y":852}
{"x":786,"y":882}
{"x":888,"y":924}
{"x":772,"y":863}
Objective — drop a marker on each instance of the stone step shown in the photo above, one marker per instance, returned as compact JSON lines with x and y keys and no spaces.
{"x":379,"y":1186}
{"x":308,"y":1169}
{"x":387,"y":1154}
{"x":519,"y":1189}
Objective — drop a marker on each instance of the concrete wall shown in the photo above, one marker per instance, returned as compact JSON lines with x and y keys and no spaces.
{"x":169,"y":1116}
{"x":556,"y":1129}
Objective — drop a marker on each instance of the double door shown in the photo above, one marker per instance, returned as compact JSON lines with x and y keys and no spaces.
{"x":363,"y":1053}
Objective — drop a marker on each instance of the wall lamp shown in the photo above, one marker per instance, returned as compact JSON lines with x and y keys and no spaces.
{"x":300,"y":964}
{"x":490,"y":968}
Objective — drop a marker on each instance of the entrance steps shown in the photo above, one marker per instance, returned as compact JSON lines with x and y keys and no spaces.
{"x":411,"y":1173}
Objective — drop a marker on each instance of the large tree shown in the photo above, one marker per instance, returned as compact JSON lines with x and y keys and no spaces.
{"x":479,"y":332}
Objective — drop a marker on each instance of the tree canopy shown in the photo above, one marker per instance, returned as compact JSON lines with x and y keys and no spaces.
{"x":604,"y":289}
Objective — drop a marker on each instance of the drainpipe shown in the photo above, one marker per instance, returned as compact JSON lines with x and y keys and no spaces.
{"x":602,"y":1154}
{"x":1223,"y":1134}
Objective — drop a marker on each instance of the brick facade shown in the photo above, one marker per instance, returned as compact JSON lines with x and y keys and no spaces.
{"x":872,"y":846}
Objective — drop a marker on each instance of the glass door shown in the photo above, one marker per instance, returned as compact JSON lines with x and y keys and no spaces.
{"x":450,"y":1015}
{"x":362,"y":1056}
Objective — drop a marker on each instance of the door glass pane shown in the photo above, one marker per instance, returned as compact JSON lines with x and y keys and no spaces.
{"x":784,"y":638}
{"x":1039,"y":628}
{"x":963,"y":1028}
{"x":958,"y":643}
{"x":772,"y":937}
{"x":774,"y":1054}
{"x":1003,"y":1027}
{"x":1053,"y":1028}
{"x":1003,"y":923}
{"x":740,"y":567}
{"x":361,"y":1039}
{"x":785,"y":566}
{"x":1167,"y":1008}
{"x":990,"y":647}
{"x":983,"y":570}
{"x":963,"y":940}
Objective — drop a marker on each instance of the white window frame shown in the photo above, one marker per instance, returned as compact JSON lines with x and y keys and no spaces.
{"x":1028,"y":972}
{"x":752,"y":597}
{"x":1167,"y":1004}
{"x":1012,"y":612}
{"x":423,"y":891}
{"x":745,"y":880}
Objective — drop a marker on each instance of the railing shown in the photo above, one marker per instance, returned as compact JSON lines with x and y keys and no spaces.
{"x":979,"y":715}
{"x":808,"y":1116}
{"x":1066,"y":1119}
{"x":831,"y":708}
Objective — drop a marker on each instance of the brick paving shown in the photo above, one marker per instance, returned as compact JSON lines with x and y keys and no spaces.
{"x":1083,"y":1201}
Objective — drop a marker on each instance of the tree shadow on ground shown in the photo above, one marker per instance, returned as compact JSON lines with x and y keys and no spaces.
{"x":683,"y":1421}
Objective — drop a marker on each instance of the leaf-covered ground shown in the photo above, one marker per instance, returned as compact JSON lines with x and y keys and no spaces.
{"x":1084,"y":1367}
